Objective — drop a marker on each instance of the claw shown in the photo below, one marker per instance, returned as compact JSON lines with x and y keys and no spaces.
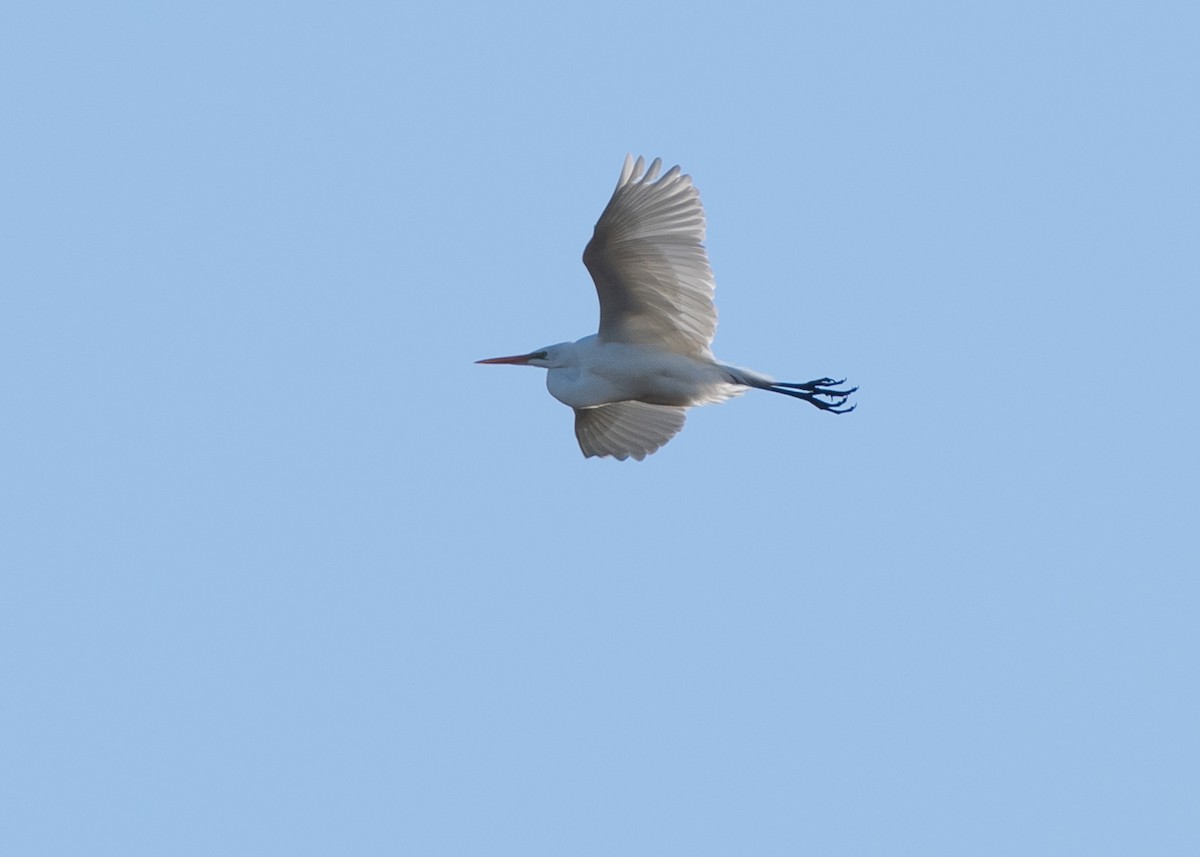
{"x":842,"y":393}
{"x":811,"y":386}
{"x":809,"y":392}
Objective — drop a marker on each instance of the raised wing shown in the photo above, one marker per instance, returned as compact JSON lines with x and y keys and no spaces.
{"x":629,"y":428}
{"x":647,"y":258}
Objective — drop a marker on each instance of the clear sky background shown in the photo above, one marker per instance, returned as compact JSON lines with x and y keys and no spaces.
{"x":284,"y":572}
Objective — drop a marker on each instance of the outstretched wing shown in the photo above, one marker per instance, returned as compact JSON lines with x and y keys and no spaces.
{"x":648,"y":261}
{"x":629,"y":428}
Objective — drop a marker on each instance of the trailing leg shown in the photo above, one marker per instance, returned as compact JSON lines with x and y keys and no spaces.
{"x":820,"y":393}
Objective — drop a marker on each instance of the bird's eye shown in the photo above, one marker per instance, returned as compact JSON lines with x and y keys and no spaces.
{"x":541,"y":355}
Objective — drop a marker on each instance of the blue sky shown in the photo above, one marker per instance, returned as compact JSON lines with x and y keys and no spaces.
{"x":284,"y":572}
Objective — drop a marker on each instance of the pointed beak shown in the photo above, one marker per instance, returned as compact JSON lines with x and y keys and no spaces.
{"x":518,"y":360}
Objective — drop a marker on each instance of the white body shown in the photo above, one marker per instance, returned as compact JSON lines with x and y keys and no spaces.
{"x":601,"y":373}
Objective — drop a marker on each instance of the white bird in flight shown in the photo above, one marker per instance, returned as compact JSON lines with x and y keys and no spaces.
{"x":632,"y":382}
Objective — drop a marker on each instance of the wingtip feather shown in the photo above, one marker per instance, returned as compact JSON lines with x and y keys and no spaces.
{"x":626,"y":170}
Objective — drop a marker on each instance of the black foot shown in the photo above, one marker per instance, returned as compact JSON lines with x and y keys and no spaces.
{"x":819,"y":393}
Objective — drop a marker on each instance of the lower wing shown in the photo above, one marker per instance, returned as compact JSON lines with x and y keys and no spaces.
{"x":623,"y":429}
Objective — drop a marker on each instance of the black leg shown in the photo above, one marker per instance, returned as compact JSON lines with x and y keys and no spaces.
{"x":819,"y":393}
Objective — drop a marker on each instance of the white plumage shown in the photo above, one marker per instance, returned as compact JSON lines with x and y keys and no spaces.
{"x":631,"y":383}
{"x":648,"y":261}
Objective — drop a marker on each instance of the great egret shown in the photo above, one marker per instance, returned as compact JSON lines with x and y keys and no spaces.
{"x":632,"y":382}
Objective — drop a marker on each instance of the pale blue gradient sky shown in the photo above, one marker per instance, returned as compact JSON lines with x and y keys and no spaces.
{"x":285,"y":573}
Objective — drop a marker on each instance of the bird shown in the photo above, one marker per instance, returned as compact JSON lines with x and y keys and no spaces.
{"x":631,"y":383}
